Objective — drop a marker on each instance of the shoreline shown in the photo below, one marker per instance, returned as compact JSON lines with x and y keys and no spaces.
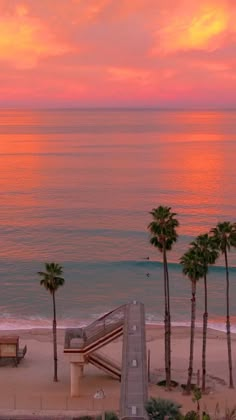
{"x":14,"y":326}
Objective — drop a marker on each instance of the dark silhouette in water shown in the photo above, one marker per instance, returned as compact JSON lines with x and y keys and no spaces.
{"x":147,"y":274}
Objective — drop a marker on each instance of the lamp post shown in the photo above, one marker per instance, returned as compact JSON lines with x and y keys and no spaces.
{"x":100,"y":395}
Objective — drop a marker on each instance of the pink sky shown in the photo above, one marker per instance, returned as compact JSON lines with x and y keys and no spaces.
{"x":157,"y":53}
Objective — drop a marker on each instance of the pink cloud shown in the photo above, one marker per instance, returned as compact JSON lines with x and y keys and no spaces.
{"x":101,"y":52}
{"x":130,"y":75}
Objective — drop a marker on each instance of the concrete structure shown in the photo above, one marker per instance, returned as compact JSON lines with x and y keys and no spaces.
{"x":82,"y":345}
{"x":76,"y":373}
{"x":10,"y":350}
{"x":134,"y":383}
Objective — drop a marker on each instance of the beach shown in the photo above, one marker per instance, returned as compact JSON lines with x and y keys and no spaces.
{"x":30,"y":386}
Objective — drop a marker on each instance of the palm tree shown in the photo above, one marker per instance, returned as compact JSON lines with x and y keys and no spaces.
{"x":224,"y":235}
{"x":194,"y":269}
{"x":51,"y":279}
{"x":163,"y":236}
{"x":207,"y":252}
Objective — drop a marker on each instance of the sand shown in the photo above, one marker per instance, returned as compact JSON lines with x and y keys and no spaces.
{"x":30,"y":386}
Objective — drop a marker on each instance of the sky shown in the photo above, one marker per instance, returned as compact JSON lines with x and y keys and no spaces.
{"x":118,"y":53}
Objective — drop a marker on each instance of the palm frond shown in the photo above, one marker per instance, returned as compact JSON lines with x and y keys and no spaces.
{"x":206,"y":248}
{"x":192,"y":265}
{"x":51,"y":279}
{"x":163,"y":228}
{"x":224,"y":235}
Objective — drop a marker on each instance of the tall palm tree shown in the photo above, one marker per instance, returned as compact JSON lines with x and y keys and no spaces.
{"x":207,"y":252}
{"x":194,"y":270}
{"x":163,"y":236}
{"x":52,"y":279}
{"x":224,"y":235}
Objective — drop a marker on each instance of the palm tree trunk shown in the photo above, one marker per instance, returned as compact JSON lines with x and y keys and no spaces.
{"x":231,"y":384}
{"x":54,"y":329}
{"x":166,"y":324}
{"x":204,"y":337}
{"x":168,"y":321}
{"x":193,"y":316}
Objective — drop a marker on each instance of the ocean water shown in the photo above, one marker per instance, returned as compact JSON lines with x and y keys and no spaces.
{"x":76,"y":187}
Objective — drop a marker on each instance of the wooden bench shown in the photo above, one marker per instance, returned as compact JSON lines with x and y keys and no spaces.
{"x":9,"y":349}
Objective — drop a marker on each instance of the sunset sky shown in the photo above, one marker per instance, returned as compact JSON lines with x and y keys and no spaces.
{"x":142,"y":53}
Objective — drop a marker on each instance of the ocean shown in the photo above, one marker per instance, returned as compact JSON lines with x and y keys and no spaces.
{"x":76,"y":188}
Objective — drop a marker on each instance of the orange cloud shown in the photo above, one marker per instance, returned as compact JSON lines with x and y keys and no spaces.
{"x":21,"y":10}
{"x":89,"y":10}
{"x":24,"y":40}
{"x":198,"y":29}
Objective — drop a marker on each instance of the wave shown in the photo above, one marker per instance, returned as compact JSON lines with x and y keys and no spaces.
{"x":177,"y":265}
{"x":32,"y":323}
{"x":152,"y":264}
{"x":217,"y":326}
{"x":142,"y":262}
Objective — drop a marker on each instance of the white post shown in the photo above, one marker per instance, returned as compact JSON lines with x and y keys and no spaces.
{"x":76,"y":371}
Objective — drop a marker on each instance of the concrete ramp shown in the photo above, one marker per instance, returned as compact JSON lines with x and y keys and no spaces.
{"x":134,"y":383}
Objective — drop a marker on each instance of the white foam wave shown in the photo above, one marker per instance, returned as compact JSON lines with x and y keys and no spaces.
{"x":9,"y":323}
{"x":212,"y":324}
{"x":12,"y":324}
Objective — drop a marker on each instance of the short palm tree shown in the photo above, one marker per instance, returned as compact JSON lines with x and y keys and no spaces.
{"x":52,"y":279}
{"x":208,"y":253}
{"x":163,"y":236}
{"x":194,"y":270}
{"x":159,"y":409}
{"x":224,"y":235}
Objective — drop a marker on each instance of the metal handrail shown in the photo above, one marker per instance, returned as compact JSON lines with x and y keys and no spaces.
{"x":106,"y":318}
{"x":104,"y":324}
{"x":121,"y":307}
{"x":102,"y":332}
{"x":97,"y":329}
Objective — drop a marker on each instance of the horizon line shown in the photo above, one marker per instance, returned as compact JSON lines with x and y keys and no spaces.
{"x":115,"y":108}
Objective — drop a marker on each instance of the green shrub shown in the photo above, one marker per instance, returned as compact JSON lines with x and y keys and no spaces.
{"x":191,"y":415}
{"x":205,"y":416}
{"x":158,"y":408}
{"x":173,"y":383}
{"x":109,"y":415}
